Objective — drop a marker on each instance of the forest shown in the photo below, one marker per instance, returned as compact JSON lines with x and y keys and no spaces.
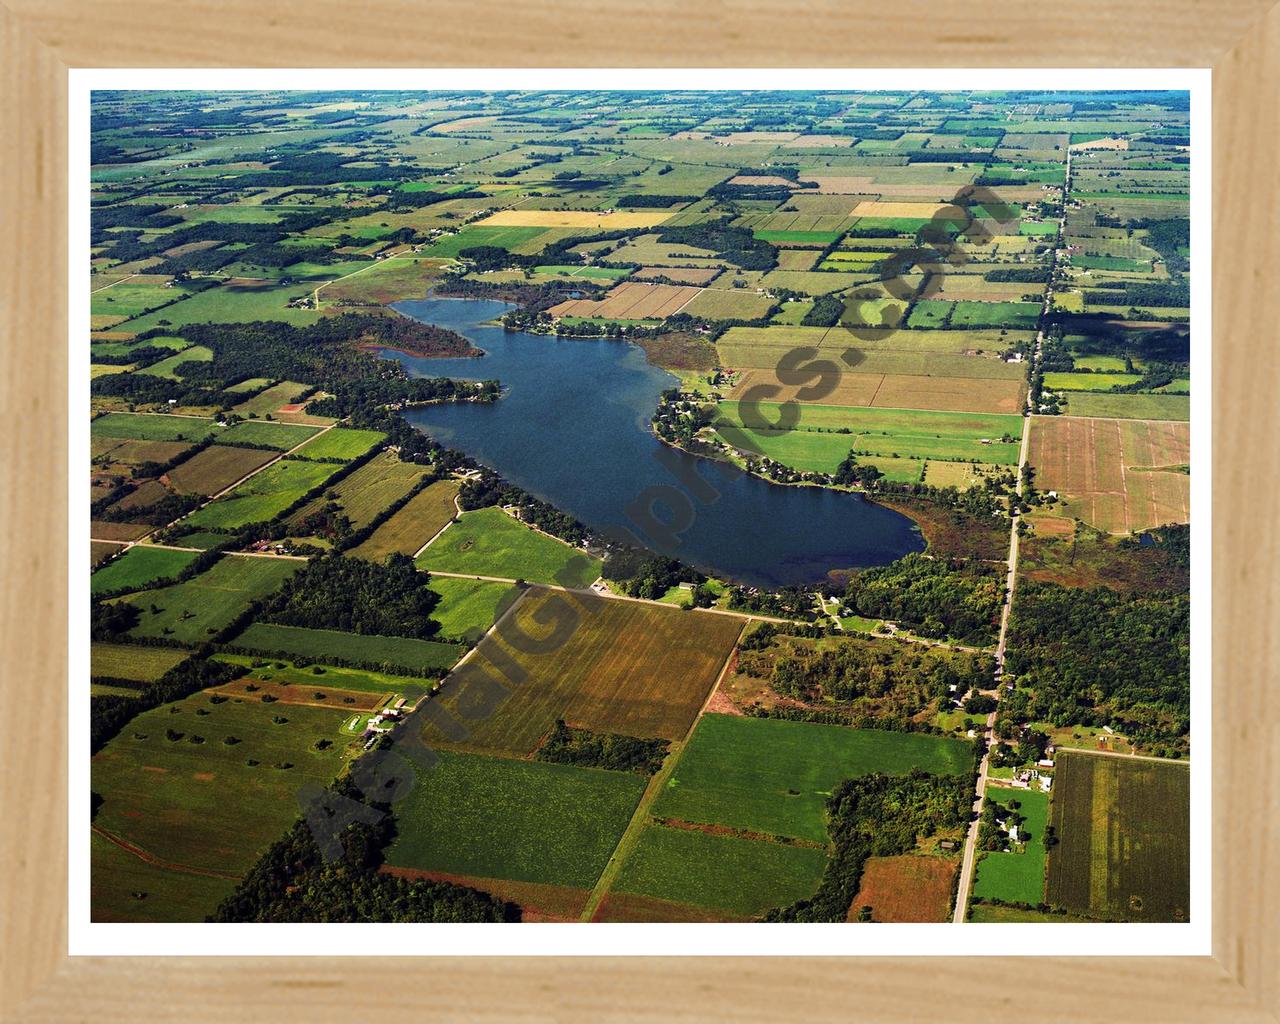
{"x":937,"y":598}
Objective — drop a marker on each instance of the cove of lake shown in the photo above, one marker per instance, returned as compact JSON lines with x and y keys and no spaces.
{"x":572,"y":428}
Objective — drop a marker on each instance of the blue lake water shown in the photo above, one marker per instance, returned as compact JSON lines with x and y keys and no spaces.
{"x":572,"y":428}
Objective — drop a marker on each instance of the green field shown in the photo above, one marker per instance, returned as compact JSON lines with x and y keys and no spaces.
{"x":1087,"y":262}
{"x":526,"y":820}
{"x":192,"y":611}
{"x":365,"y":493}
{"x":388,"y":652}
{"x":262,"y":434}
{"x":1124,"y":830}
{"x":488,"y":542}
{"x":139,"y":566}
{"x":469,"y":607}
{"x":1016,"y":877}
{"x":332,"y":677}
{"x":340,"y":443}
{"x":132,"y":296}
{"x":144,"y":427}
{"x":773,"y":776}
{"x":232,"y":304}
{"x":269,"y":400}
{"x":263,"y":496}
{"x":168,"y":367}
{"x":421,"y":518}
{"x":201,"y":804}
{"x":472,"y":237}
{"x":744,"y":877}
{"x":1088,"y":381}
{"x":1130,"y":407}
{"x":133,"y":662}
{"x":818,"y":445}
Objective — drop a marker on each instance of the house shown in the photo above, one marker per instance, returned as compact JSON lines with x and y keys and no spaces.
{"x":1013,"y":833}
{"x":1045,"y":762}
{"x":1046,"y":783}
{"x":947,"y":844}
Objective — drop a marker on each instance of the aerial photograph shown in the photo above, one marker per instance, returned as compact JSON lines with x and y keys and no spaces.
{"x":639,"y":506}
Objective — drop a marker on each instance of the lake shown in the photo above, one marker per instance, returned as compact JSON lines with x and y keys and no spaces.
{"x":572,"y":428}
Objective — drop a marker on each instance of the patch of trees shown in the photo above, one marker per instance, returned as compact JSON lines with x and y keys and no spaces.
{"x":356,"y":596}
{"x":737,"y":245}
{"x":653,"y":201}
{"x":293,"y":882}
{"x":1031,"y":275}
{"x":588,"y":749}
{"x":1142,"y":293}
{"x":159,"y":513}
{"x":646,"y":575}
{"x":851,"y":473}
{"x":1099,"y":657}
{"x":935,"y":597}
{"x":878,"y":816}
{"x":826,"y":312}
{"x":885,"y":683}
{"x":787,"y":602}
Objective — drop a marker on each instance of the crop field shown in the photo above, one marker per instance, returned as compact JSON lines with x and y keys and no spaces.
{"x":774,"y":776}
{"x":1016,"y":876}
{"x":899,"y":391}
{"x":1088,"y":381}
{"x":1124,"y":838}
{"x":1121,"y":476}
{"x":216,"y":468}
{"x":680,"y":275}
{"x":139,"y":566}
{"x":380,"y":482}
{"x":193,"y":611}
{"x":332,"y":678}
{"x":900,"y":433}
{"x":101,"y":550}
{"x":638,"y":670}
{"x":488,"y":542}
{"x":263,"y":496}
{"x":261,"y":434}
{"x":584,"y":219}
{"x":271,"y":400}
{"x":104,"y":531}
{"x":468,"y":608}
{"x":1137,"y":407}
{"x":728,"y":304}
{"x":906,"y":888}
{"x":522,"y":820}
{"x":132,"y":662}
{"x":474,"y":236}
{"x":133,"y":453}
{"x":630,"y":301}
{"x":425,"y":515}
{"x":388,"y":652}
{"x":740,"y":877}
{"x":177,"y":791}
{"x":341,"y":444}
{"x":233,"y":303}
{"x":144,"y":427}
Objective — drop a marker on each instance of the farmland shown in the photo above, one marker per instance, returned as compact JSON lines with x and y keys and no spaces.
{"x":1121,"y":476}
{"x":625,"y":668}
{"x":387,"y":652}
{"x":592,"y":438}
{"x":488,"y":542}
{"x":264,"y":495}
{"x":422,"y":517}
{"x":520,"y":820}
{"x":1124,"y":836}
{"x":192,"y":611}
{"x":725,"y":778}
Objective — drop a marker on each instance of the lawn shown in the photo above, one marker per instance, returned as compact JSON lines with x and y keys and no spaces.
{"x":193,"y":611}
{"x":387,"y":652}
{"x":132,"y":662}
{"x":147,"y":427}
{"x":422,"y":517}
{"x":1018,"y":876}
{"x":262,"y":434}
{"x":469,"y":607}
{"x":139,"y":566}
{"x":208,"y":804}
{"x":774,"y":776}
{"x":1124,"y":830}
{"x":340,"y":444}
{"x":617,"y":666}
{"x":524,"y":820}
{"x":742,"y":877}
{"x":263,"y":496}
{"x":488,"y":542}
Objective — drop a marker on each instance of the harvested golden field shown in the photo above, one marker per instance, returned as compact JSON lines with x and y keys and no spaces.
{"x":575,"y":219}
{"x":624,"y":667}
{"x":425,"y":515}
{"x":880,"y":208}
{"x":899,"y":391}
{"x":905,"y":889}
{"x":630,"y":301}
{"x":1122,"y":476}
{"x":681,"y":275}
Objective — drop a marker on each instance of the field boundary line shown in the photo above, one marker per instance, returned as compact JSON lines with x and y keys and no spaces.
{"x":150,"y":858}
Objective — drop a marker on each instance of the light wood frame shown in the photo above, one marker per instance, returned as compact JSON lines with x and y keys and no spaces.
{"x":41,"y":39}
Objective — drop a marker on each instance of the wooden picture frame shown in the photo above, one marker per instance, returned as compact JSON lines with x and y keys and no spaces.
{"x":42,"y":39}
